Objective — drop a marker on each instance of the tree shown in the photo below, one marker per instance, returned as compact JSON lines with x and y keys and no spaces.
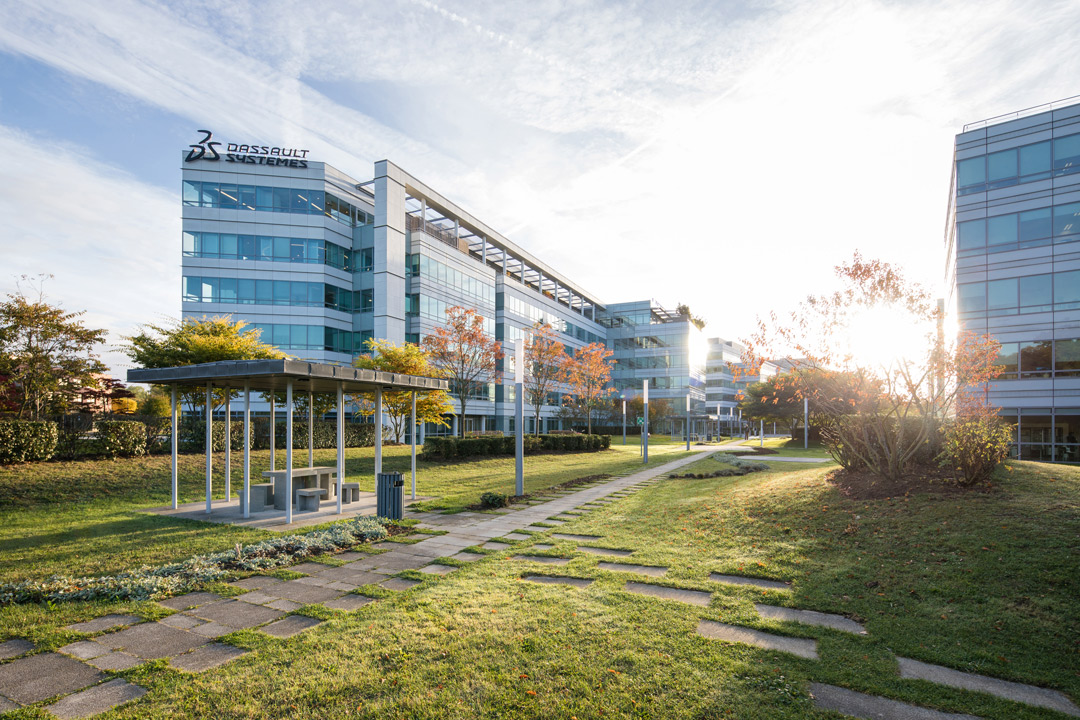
{"x":46,"y":353}
{"x":465,"y":355}
{"x":407,"y":359}
{"x":684,"y":310}
{"x":588,"y":374}
{"x":191,"y":342}
{"x":546,"y":365}
{"x":883,"y":418}
{"x":778,"y":398}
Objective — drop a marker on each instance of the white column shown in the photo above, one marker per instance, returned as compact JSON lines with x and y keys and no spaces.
{"x":340,"y":441}
{"x":378,"y":431}
{"x":228,"y":446}
{"x":483,"y":250}
{"x":519,"y":418}
{"x":310,"y":429}
{"x":209,"y":447}
{"x":412,"y":435}
{"x":245,"y":498}
{"x":273,"y":429}
{"x":288,"y":451}
{"x":173,"y":443}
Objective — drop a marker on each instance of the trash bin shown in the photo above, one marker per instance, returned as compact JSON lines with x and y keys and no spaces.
{"x":390,"y":496}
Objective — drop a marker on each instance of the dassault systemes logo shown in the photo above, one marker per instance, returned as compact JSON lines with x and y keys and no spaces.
{"x":202,"y":147}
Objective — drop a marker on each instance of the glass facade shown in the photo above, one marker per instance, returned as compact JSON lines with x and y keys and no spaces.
{"x":1000,"y":233}
{"x":230,"y":246}
{"x":228,"y":196}
{"x":1027,"y":294}
{"x":1027,"y":163}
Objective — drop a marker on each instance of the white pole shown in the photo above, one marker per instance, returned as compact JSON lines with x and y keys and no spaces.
{"x":688,"y":423}
{"x":805,"y":423}
{"x":209,"y":448}
{"x":378,"y":432}
{"x":228,"y":446}
{"x":273,"y":430}
{"x":245,"y":499}
{"x":645,"y":422}
{"x":340,"y":441}
{"x":761,"y":433}
{"x":288,"y":451}
{"x":519,"y":414}
{"x":173,"y":442}
{"x":412,"y":433}
{"x":624,"y":421}
{"x":310,"y":429}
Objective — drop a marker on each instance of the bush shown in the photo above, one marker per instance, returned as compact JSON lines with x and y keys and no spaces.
{"x":325,"y":434}
{"x":192,"y":434}
{"x":26,"y":441}
{"x":494,"y":500}
{"x":975,"y":446}
{"x":119,"y":438}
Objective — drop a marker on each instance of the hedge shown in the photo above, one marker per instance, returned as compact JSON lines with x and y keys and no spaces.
{"x":445,"y":448}
{"x":325,"y":434}
{"x":632,"y":428}
{"x":26,"y":441}
{"x":119,"y":438}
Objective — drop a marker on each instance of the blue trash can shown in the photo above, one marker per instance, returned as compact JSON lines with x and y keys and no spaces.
{"x":390,"y":496}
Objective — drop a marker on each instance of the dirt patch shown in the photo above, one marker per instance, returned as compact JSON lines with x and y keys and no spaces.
{"x":865,"y":485}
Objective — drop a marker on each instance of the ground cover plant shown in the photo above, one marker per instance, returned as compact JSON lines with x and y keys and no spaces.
{"x":983,"y":583}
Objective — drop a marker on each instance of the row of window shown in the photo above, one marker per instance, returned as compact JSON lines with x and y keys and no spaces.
{"x":1045,"y":434}
{"x":640,"y":343}
{"x":311,"y":337}
{"x":1032,"y":293}
{"x":290,"y":293}
{"x":441,"y":273}
{"x":1036,"y":161}
{"x":1039,"y":359}
{"x":656,"y":362}
{"x":1026,"y":229}
{"x":229,"y":196}
{"x":528,"y":311}
{"x":434,"y":309}
{"x":228,"y":246}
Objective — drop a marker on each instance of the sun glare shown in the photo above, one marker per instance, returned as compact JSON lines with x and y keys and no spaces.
{"x":881,"y":337}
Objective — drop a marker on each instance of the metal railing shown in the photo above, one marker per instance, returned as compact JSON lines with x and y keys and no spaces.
{"x":1033,"y":110}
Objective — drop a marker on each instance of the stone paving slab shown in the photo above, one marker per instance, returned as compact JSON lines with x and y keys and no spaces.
{"x":95,"y":700}
{"x":756,"y":582}
{"x":604,"y":551}
{"x":182,"y":621}
{"x":349,"y":602}
{"x":559,"y":580}
{"x":206,"y":657}
{"x":871,"y":707}
{"x":516,"y":536}
{"x":256,"y":582}
{"x":467,"y":557}
{"x":105,"y":622}
{"x":84,"y":650}
{"x":810,"y":617}
{"x":43,"y":676}
{"x":312,"y":568}
{"x":651,"y":570}
{"x":302,"y":593}
{"x":436,"y":569}
{"x":255,"y":597}
{"x":14,"y":648}
{"x":7,"y":705}
{"x":190,"y":600}
{"x":399,"y":584}
{"x":802,"y":647}
{"x":212,"y":630}
{"x":153,"y":640}
{"x":290,"y":625}
{"x":115,"y":661}
{"x":546,"y":559}
{"x":236,"y":614}
{"x":286,"y":605}
{"x":691,"y":597}
{"x":1017,"y":692}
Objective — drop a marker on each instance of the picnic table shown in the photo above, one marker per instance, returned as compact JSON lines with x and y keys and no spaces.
{"x":303,"y":478}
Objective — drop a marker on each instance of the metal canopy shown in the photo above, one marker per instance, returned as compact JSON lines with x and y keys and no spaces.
{"x":274,"y":374}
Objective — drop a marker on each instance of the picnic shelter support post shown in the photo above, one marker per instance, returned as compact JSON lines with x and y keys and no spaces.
{"x":340,"y":442}
{"x":273,"y":429}
{"x":209,"y":446}
{"x":173,"y":443}
{"x":378,"y":432}
{"x":310,"y":429}
{"x":412,"y":435}
{"x":245,"y":498}
{"x":228,"y":446}
{"x":288,"y":450}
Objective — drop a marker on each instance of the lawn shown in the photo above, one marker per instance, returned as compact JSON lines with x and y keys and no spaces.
{"x":790,"y":447}
{"x":983,"y":582}
{"x":82,"y":518}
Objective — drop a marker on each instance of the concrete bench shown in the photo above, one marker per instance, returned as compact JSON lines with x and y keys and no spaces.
{"x":302,"y":477}
{"x":309,"y":499}
{"x":350,"y":492}
{"x":262,"y":495}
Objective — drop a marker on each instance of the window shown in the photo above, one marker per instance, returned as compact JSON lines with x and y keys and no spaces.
{"x":971,"y":297}
{"x":1007,"y":357}
{"x":272,"y":199}
{"x":412,"y":304}
{"x":1001,"y":294}
{"x":1035,"y":227}
{"x":367,"y":259}
{"x":1001,"y":168}
{"x":1067,"y":357}
{"x":1001,"y":230}
{"x":367,"y":300}
{"x":1066,"y":154}
{"x":1035,"y":292}
{"x":1067,"y":220}
{"x":1067,"y":289}
{"x":971,"y":172}
{"x":972,"y":235}
{"x":1035,"y":161}
{"x":266,"y":249}
{"x":1035,"y":358}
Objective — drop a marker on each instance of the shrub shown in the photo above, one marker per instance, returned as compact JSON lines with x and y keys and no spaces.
{"x":192,"y":432}
{"x":119,"y":438}
{"x":26,"y":441}
{"x":494,"y":500}
{"x":975,"y":446}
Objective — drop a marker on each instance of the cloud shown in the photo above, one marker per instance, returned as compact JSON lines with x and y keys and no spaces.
{"x":112,"y":243}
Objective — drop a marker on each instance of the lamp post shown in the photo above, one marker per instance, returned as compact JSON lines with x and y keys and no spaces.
{"x":645,"y":423}
{"x":805,"y":423}
{"x":688,"y":422}
{"x":519,"y":415}
{"x":623,"y":419}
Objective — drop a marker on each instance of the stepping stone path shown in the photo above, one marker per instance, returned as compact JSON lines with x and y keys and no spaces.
{"x":849,"y":702}
{"x":756,"y":582}
{"x":106,"y":622}
{"x":516,"y":536}
{"x":692,"y":597}
{"x":206,"y":657}
{"x":96,"y":699}
{"x":546,"y":559}
{"x":399,"y":584}
{"x":604,"y":551}
{"x":15,"y":648}
{"x":290,"y":625}
{"x":559,"y":580}
{"x":651,"y":570}
{"x":802,"y":647}
{"x":1017,"y":692}
{"x":438,"y":569}
{"x":810,"y":617}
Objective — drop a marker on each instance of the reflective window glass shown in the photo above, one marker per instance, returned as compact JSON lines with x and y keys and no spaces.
{"x":191,"y":192}
{"x":1067,"y":287}
{"x":1035,"y":291}
{"x":264,"y":292}
{"x":1001,"y":294}
{"x":1067,"y":154}
{"x":1035,"y":159}
{"x":281,"y":248}
{"x":228,"y":245}
{"x":246,"y":195}
{"x":264,"y":198}
{"x":210,"y":245}
{"x":300,"y":202}
{"x":281,"y":292}
{"x":245,"y":291}
{"x":229,"y":197}
{"x":1035,"y":225}
{"x":282,"y":199}
{"x":1001,"y":166}
{"x":227,"y":290}
{"x":266,"y":247}
{"x":1067,"y":219}
{"x":972,"y":235}
{"x":1001,"y":230}
{"x":971,"y":171}
{"x":189,"y":243}
{"x":1067,"y":356}
{"x":1007,"y":357}
{"x":1035,"y":358}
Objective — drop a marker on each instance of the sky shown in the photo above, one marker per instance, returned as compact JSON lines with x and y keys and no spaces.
{"x":726,"y":155}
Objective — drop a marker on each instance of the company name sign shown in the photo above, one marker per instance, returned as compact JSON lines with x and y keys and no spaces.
{"x":207,"y":149}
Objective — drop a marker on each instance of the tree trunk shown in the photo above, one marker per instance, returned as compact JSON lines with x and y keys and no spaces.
{"x":461,"y":422}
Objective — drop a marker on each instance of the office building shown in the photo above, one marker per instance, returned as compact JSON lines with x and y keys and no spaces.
{"x":1013,"y":264}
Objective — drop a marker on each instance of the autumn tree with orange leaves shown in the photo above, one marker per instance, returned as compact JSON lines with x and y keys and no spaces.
{"x":467,"y":356}
{"x":546,"y":364}
{"x":884,"y":419}
{"x":588,"y":374}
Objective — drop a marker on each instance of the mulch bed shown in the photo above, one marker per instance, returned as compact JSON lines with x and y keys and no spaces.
{"x":865,"y":485}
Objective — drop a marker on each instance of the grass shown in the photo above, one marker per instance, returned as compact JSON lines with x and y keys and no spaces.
{"x":83,"y":518}
{"x":790,"y":448}
{"x":983,"y":582}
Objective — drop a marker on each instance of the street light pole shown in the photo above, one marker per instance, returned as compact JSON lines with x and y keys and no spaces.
{"x":805,"y":423}
{"x":624,"y":421}
{"x":519,"y":414}
{"x":645,"y":423}
{"x":688,"y":422}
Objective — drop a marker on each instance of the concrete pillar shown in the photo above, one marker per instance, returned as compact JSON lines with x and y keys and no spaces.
{"x":389,"y":267}
{"x":209,"y":447}
{"x":288,"y":450}
{"x":340,"y":441}
{"x":228,"y":445}
{"x":245,"y":498}
{"x":174,"y":443}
